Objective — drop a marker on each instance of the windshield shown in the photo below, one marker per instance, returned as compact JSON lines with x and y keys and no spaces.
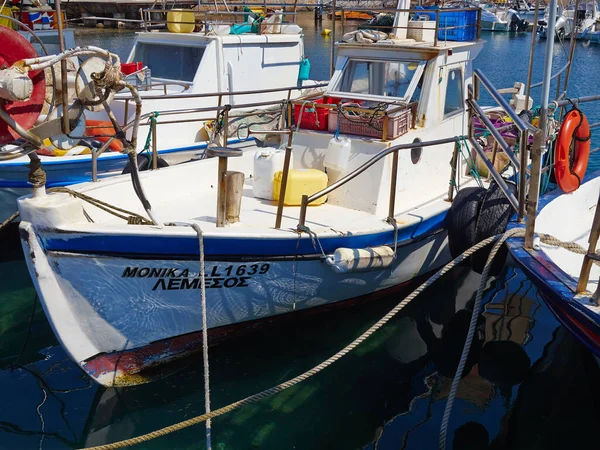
{"x":366,"y":78}
{"x":169,"y":62}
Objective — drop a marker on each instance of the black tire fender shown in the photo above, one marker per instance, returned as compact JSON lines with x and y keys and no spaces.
{"x":143,"y":163}
{"x":461,"y":220}
{"x":493,"y":219}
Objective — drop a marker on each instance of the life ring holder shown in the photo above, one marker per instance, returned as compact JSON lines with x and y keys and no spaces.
{"x":570,"y":167}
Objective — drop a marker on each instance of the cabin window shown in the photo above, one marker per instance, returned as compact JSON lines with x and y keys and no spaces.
{"x":367,"y":79}
{"x":454,"y":93}
{"x":170,"y":62}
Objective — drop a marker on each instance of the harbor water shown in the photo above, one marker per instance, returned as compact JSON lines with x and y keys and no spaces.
{"x":528,"y":383}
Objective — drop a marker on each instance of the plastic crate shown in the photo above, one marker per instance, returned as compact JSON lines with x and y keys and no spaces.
{"x":421,"y":30}
{"x":313,"y":118}
{"x":141,"y":79}
{"x":398,"y":124}
{"x":465,"y":19}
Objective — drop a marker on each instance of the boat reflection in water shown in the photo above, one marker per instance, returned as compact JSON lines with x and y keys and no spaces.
{"x":391,"y":389}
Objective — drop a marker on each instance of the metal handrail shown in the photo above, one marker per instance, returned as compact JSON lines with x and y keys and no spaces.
{"x":478,"y":75}
{"x":306,"y":200}
{"x":219,"y":108}
{"x":225,"y":93}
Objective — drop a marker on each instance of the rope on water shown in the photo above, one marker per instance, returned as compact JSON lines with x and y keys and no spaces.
{"x":131,"y":217}
{"x":198,"y":231}
{"x":343,"y":352}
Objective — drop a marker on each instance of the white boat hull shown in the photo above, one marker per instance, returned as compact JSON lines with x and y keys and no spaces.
{"x":118,"y":316}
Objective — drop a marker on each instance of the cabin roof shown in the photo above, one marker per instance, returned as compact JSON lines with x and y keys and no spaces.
{"x":410,"y":45}
{"x":182,"y":38}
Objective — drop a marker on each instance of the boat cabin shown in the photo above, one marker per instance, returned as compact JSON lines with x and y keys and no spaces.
{"x":171,"y":69}
{"x":396,"y":91}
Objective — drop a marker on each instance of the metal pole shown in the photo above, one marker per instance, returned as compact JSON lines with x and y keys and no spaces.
{"x":540,"y":138}
{"x":284,"y":177}
{"x":63,"y":72}
{"x":525,"y":134}
{"x":393,"y":183}
{"x":332,"y":48}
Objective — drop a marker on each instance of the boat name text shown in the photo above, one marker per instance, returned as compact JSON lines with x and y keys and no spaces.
{"x":170,"y":278}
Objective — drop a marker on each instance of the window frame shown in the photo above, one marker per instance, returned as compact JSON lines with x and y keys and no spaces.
{"x":462,"y":92}
{"x":202,"y":46}
{"x":338,"y":76}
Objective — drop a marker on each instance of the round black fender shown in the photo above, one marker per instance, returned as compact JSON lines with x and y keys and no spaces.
{"x":461,"y":220}
{"x":493,"y":219}
{"x":144,"y":163}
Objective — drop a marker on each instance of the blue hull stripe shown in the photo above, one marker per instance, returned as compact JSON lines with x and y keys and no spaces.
{"x":140,"y":246}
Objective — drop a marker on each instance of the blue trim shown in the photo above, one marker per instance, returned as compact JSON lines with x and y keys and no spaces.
{"x":49,"y":184}
{"x":142,"y":246}
{"x":113,"y":155}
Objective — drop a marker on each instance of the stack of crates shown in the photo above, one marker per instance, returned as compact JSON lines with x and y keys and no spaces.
{"x":467,"y":20}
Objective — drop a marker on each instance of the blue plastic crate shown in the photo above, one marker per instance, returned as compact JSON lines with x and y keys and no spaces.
{"x":465,"y":19}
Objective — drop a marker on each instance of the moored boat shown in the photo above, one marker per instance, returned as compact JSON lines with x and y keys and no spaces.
{"x":171,"y":71}
{"x":124,"y":297}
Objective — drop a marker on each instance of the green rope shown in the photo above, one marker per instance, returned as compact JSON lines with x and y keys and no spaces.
{"x":469,"y":159}
{"x":152,"y":118}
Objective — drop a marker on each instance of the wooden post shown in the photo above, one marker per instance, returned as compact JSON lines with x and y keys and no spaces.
{"x":584,"y":275}
{"x":234,"y":191}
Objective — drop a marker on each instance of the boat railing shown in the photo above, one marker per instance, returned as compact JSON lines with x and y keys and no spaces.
{"x":307,"y":199}
{"x":221,"y":109}
{"x":528,"y":195}
{"x":207,"y":19}
{"x":220,"y":95}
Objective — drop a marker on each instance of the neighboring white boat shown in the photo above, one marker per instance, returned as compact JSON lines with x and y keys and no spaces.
{"x":583,"y":22}
{"x":124,"y":298}
{"x":178,"y":71}
{"x":556,"y":271}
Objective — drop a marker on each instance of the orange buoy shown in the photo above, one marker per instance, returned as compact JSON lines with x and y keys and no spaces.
{"x":102,"y":131}
{"x":572,"y":151}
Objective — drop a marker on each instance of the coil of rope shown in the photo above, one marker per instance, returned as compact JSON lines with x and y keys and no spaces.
{"x":498,"y":239}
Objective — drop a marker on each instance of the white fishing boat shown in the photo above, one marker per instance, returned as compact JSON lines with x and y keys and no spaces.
{"x":582,"y":22}
{"x":171,"y":71}
{"x":354,"y":206}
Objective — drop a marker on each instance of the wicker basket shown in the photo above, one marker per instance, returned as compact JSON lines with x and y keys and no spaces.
{"x":398,"y":124}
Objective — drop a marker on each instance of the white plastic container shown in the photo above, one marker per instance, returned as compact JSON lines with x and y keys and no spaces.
{"x":221,"y":30}
{"x":338,"y":154}
{"x":266,"y":164}
{"x":291,"y":28}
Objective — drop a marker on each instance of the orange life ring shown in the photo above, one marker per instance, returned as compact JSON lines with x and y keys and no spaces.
{"x":569,"y":169}
{"x":100,"y":130}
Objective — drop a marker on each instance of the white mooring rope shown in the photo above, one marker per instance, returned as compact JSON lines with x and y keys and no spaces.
{"x":198,"y":231}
